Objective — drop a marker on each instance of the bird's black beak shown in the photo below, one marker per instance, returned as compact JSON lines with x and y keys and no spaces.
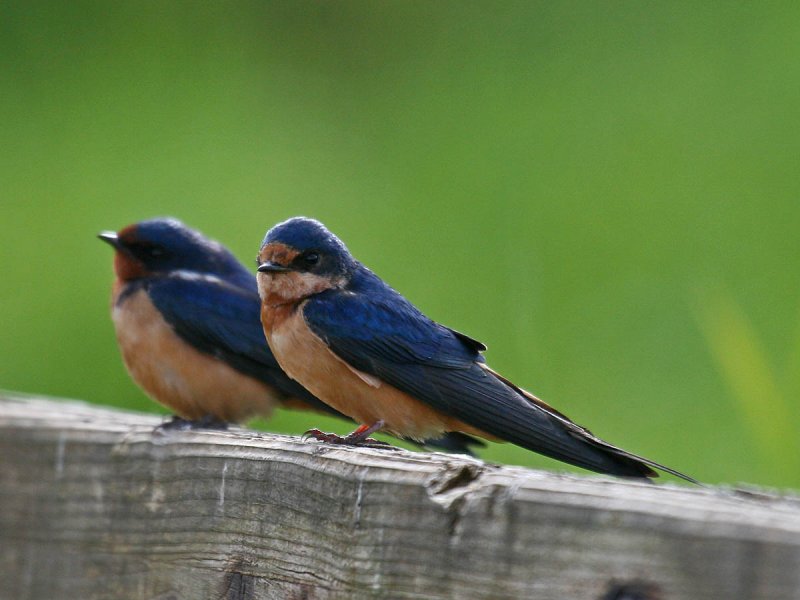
{"x":110,"y":237}
{"x":271,"y":267}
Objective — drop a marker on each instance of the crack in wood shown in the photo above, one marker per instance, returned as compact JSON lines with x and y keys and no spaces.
{"x":452,"y":477}
{"x":238,"y":586}
{"x":449,"y":488}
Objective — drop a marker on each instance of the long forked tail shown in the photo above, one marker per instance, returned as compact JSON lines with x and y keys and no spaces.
{"x":595,"y":441}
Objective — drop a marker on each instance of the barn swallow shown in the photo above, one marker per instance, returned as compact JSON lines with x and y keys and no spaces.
{"x":361,"y":347}
{"x":186,"y":314}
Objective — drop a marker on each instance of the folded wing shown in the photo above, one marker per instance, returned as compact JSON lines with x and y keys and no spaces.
{"x":389,"y":338}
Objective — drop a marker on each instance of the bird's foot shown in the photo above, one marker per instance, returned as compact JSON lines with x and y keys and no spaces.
{"x":205,"y":422}
{"x":359,"y":437}
{"x":343,"y":440}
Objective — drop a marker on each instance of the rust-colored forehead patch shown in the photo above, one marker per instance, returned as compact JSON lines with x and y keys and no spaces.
{"x":128,"y":234}
{"x":278,"y":253}
{"x":126,"y":265}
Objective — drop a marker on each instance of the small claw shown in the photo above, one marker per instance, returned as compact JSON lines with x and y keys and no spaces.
{"x":355,"y":438}
{"x":314,"y":433}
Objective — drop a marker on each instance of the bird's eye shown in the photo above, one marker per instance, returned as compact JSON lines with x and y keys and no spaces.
{"x":155,"y":251}
{"x":311,"y":258}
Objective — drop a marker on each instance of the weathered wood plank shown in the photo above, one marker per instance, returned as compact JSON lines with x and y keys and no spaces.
{"x":94,"y":504}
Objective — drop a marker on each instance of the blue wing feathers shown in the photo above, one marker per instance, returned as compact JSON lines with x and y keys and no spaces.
{"x":397,"y":332}
{"x":379,"y":332}
{"x":223,"y":319}
{"x":218,"y":317}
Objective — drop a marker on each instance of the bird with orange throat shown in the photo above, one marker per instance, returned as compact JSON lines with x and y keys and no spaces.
{"x":361,"y":347}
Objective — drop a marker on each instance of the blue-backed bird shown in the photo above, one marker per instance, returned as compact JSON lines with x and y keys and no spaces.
{"x":361,"y":347}
{"x":186,"y":314}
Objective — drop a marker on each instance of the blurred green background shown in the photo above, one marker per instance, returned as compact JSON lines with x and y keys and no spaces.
{"x":607,"y":194}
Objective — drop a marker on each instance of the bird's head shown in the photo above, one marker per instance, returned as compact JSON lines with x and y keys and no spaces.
{"x":165,"y":245}
{"x":300,"y":258}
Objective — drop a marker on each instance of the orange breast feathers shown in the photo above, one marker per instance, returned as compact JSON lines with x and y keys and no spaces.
{"x":363,"y":397}
{"x":170,"y":371}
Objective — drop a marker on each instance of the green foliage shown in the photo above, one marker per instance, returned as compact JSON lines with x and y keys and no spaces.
{"x":555,"y":179}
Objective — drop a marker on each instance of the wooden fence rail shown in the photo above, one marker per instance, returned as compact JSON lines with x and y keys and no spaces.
{"x":94,"y":504}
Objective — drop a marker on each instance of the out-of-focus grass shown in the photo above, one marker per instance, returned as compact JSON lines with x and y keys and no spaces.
{"x":761,"y":389}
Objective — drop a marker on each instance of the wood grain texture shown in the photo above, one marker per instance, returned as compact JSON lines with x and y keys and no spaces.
{"x":94,"y":504}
